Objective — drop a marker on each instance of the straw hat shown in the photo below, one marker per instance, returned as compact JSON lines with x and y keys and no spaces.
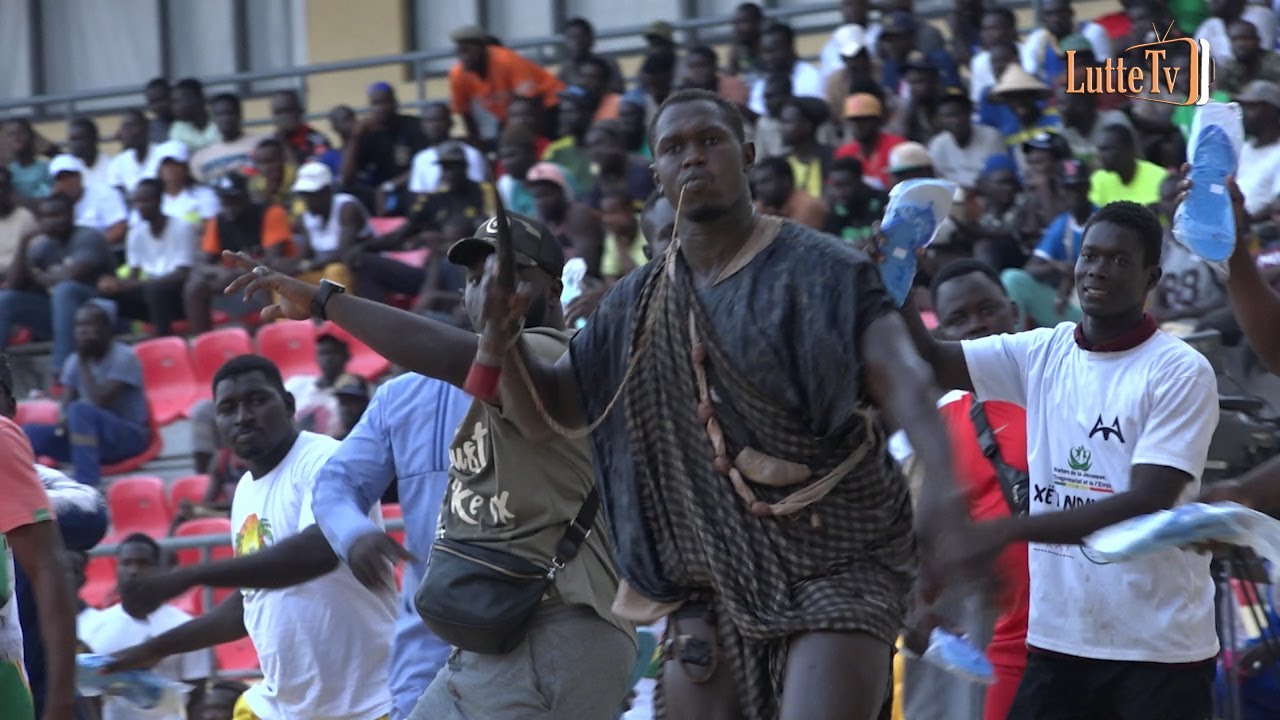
{"x":1015,"y":79}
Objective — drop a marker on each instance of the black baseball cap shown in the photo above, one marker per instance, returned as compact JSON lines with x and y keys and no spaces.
{"x":232,"y":184}
{"x":351,"y":386}
{"x":534,"y":244}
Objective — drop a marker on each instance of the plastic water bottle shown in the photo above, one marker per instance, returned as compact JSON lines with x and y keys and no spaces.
{"x":1205,"y":222}
{"x":575,"y":271}
{"x":143,"y":688}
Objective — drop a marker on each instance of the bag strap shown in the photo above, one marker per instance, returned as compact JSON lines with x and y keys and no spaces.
{"x":1014,"y":483}
{"x":577,"y":533}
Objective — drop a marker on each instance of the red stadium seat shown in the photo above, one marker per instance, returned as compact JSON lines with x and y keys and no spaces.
{"x":136,"y":462}
{"x":237,"y":655}
{"x":20,"y":336}
{"x":37,"y":412}
{"x":364,"y":361}
{"x":210,"y":350}
{"x":99,"y":581}
{"x":416,"y":258}
{"x":384,"y":225}
{"x":189,"y":487}
{"x":205,"y":526}
{"x":137,"y":504}
{"x":168,"y":377}
{"x":291,"y":345}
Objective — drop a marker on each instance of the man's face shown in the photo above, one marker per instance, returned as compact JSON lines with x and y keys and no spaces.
{"x":436,"y":124}
{"x":549,"y":198}
{"x":656,"y":84}
{"x":252,"y":415}
{"x":454,"y":174}
{"x":522,"y":113}
{"x":226,"y":116}
{"x":858,"y":66}
{"x":1114,"y":152}
{"x":1002,"y":56}
{"x":618,"y":216}
{"x":771,"y":187}
{"x":159,"y":103}
{"x":592,"y":79}
{"x":70,"y":183}
{"x":1039,"y":164}
{"x":1023,"y":104}
{"x":517,"y":158}
{"x":577,"y":42}
{"x":269,"y":160}
{"x":1112,"y":278}
{"x":1259,"y":118}
{"x":286,"y":113}
{"x":658,"y":223}
{"x":700,"y":72}
{"x":631,"y":116}
{"x":775,"y":95}
{"x":1244,"y":41}
{"x":56,"y":218}
{"x":543,"y":290}
{"x":973,"y":306}
{"x":318,"y":202}
{"x":698,"y":154}
{"x":746,"y":27}
{"x":796,"y":128}
{"x":134,"y":559}
{"x":173,"y":172}
{"x":898,"y":44}
{"x":186,"y":105}
{"x":472,"y":55}
{"x":776,"y":53}
{"x":382,"y":105}
{"x":80,"y":140}
{"x":19,"y":138}
{"x":1077,"y":109}
{"x":1001,"y":187}
{"x":953,"y":117}
{"x":605,"y":149}
{"x":865,"y":130}
{"x":574,"y":119}
{"x":343,"y":121}
{"x":133,"y":130}
{"x":332,"y":357}
{"x":923,"y":84}
{"x":844,"y":187}
{"x":1058,"y":17}
{"x":854,"y":11}
{"x":994,"y":30}
{"x":92,"y":330}
{"x":146,"y":200}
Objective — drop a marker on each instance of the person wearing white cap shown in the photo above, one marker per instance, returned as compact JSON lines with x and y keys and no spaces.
{"x":333,"y":224}
{"x":183,"y":197}
{"x":97,"y":206}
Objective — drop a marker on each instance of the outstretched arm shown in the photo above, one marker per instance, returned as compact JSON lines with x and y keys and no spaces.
{"x":1259,"y":488}
{"x":223,"y":625}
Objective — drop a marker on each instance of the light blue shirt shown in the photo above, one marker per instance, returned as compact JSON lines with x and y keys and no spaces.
{"x":404,"y":434}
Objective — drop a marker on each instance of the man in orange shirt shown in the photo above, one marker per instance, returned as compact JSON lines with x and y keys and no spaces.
{"x":487,"y":76}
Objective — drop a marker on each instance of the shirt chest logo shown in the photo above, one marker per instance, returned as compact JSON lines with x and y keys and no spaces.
{"x":1107,"y":430}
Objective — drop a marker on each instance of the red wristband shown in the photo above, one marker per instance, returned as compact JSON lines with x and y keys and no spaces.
{"x":482,"y":381}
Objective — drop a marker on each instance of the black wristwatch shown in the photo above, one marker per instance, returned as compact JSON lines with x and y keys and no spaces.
{"x":327,"y":290}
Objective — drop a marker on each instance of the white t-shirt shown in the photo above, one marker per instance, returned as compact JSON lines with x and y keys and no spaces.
{"x":325,"y":236}
{"x":324,"y":645}
{"x":806,"y":81}
{"x":317,"y":407}
{"x":125,"y":171}
{"x":100,"y":207}
{"x":963,"y":165}
{"x":1258,"y":174}
{"x":425,"y":176}
{"x":100,"y":171}
{"x":1092,"y":416}
{"x":1189,"y":283}
{"x":194,"y":204}
{"x":114,"y":629}
{"x":158,"y":256}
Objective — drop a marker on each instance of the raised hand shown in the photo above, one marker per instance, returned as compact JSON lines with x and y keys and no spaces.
{"x":369,"y":557}
{"x":292,"y":297}
{"x":505,"y":300}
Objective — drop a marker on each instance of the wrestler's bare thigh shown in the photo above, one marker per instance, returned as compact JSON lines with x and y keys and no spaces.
{"x":836,"y":676}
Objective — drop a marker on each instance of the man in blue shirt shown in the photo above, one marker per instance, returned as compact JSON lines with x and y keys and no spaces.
{"x":1042,"y":290}
{"x":404,"y":436}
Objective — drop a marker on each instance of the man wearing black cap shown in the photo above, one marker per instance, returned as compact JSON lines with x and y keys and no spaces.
{"x":897,"y":41}
{"x":352,"y":393}
{"x":515,"y":485}
{"x":916,"y":119}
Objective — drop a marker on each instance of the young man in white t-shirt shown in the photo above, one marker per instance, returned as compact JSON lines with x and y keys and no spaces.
{"x":323,"y":641}
{"x":115,"y":629}
{"x":1119,"y":419}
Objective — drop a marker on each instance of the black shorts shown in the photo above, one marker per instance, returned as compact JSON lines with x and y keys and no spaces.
{"x":1059,"y":687}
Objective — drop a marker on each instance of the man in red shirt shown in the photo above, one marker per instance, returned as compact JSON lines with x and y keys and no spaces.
{"x":970,"y":303}
{"x":864,"y":118}
{"x":486,"y":78}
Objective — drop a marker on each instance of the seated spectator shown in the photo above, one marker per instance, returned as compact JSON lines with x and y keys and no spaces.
{"x":961,"y":147}
{"x":616,"y":170}
{"x":137,"y":158}
{"x":997,"y":234}
{"x":1258,"y":172}
{"x":623,"y":244}
{"x":1226,"y":12}
{"x":767,"y":131}
{"x":105,"y":415}
{"x":486,"y":77}
{"x":579,"y":42}
{"x":380,"y":153}
{"x":927,"y":38}
{"x":440,"y":294}
{"x":302,"y":141}
{"x":864,"y":118}
{"x":333,"y":225}
{"x":916,"y":118}
{"x":774,"y":187}
{"x":271,"y":177}
{"x":51,"y":275}
{"x":191,"y":125}
{"x":184,"y":198}
{"x":1025,"y":97}
{"x":746,"y":59}
{"x":657,"y":78}
{"x":1122,"y":175}
{"x":437,"y":126}
{"x":999,"y":29}
{"x":316,"y":407}
{"x":1189,"y":287}
{"x":517,"y":152}
{"x":831,"y":60}
{"x":30,"y":173}
{"x":114,"y":629}
{"x":909,"y":161}
{"x":1042,"y":156}
{"x":97,"y":206}
{"x":1042,"y":290}
{"x":570,"y":150}
{"x":1083,"y":121}
{"x":159,"y":98}
{"x":16,"y":222}
{"x":702,"y":71}
{"x":859,"y":69}
{"x":594,"y":74}
{"x":660,"y":37}
{"x":990,"y":112}
{"x":1042,"y":51}
{"x":211,"y":455}
{"x":635,"y":134}
{"x":574,"y":224}
{"x":528,"y":113}
{"x":855,"y":205}
{"x":778,"y":57}
{"x":241,"y":225}
{"x":343,"y":121}
{"x":82,"y":142}
{"x":894,"y":49}
{"x":353,"y":394}
{"x":810,"y":160}
{"x":234,"y":152}
{"x":1251,"y":61}
{"x":159,"y":254}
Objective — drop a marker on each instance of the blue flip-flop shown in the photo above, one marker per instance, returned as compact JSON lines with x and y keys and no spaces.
{"x":916,"y":209}
{"x":1205,"y":222}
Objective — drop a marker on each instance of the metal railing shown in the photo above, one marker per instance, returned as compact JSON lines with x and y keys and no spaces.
{"x":206,"y":544}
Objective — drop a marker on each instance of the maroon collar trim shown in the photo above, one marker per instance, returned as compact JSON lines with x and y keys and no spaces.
{"x":1128,"y":341}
